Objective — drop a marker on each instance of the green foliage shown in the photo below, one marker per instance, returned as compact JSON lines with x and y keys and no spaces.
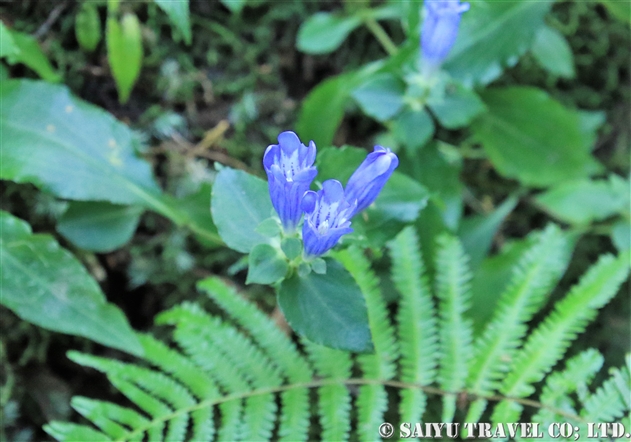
{"x":19,"y":47}
{"x":553,"y":52}
{"x":381,"y":97}
{"x":240,"y":202}
{"x":99,"y":226}
{"x":265,"y":265}
{"x":179,"y":15}
{"x":326,"y":308}
{"x":76,"y":151}
{"x":222,"y":377}
{"x":493,"y":35}
{"x":453,"y":291}
{"x":124,"y":52}
{"x":54,"y":141}
{"x":547,"y":141}
{"x":325,"y":32}
{"x":88,"y":27}
{"x":44,"y":284}
{"x":584,"y":201}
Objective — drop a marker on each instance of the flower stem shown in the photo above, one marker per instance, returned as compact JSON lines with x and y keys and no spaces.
{"x":381,"y":35}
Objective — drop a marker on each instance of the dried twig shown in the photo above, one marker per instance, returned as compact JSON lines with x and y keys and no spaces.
{"x":50,"y":21}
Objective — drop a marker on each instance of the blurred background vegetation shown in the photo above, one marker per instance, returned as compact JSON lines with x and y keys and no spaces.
{"x":224,"y":98}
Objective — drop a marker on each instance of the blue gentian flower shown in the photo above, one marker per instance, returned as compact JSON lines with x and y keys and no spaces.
{"x":327,"y":218}
{"x":290,"y":171}
{"x":367,"y":181}
{"x":440,"y":29}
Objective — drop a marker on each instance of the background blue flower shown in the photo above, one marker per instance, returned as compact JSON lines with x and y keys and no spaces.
{"x":440,"y":29}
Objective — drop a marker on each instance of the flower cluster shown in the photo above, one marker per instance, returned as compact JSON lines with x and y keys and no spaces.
{"x":440,"y":29}
{"x":327,"y":212}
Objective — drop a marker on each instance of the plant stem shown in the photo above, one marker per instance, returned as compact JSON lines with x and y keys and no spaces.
{"x":381,"y":35}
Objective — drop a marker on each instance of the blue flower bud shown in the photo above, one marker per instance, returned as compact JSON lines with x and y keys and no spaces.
{"x":367,"y":181}
{"x":440,"y":29}
{"x":327,"y":218}
{"x":290,"y":171}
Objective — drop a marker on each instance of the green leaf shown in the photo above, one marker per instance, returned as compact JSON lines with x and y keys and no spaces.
{"x":7,"y":44}
{"x":585,"y":201}
{"x":99,"y":226}
{"x":266,"y":265}
{"x":44,"y":284}
{"x":327,"y":309}
{"x":533,"y":138}
{"x":178,"y":12}
{"x":338,"y":163}
{"x":491,"y":279}
{"x":401,"y":199}
{"x":323,"y":109}
{"x":124,"y":52}
{"x":477,"y":232}
{"x":195,"y":212}
{"x":553,"y":53}
{"x":619,"y":9}
{"x":493,"y":35}
{"x":235,"y":6}
{"x":239,"y":203}
{"x":456,"y":107}
{"x":269,"y":228}
{"x":413,"y":129}
{"x":71,"y":148}
{"x":29,"y":53}
{"x":381,"y":97}
{"x":438,"y":168}
{"x":88,"y":27}
{"x":324,"y":32}
{"x":292,"y":247}
{"x":621,"y":235}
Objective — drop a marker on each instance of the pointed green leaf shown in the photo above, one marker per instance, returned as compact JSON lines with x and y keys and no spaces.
{"x":44,"y":284}
{"x":88,"y":27}
{"x":413,"y":129}
{"x":533,"y":138}
{"x":29,"y":53}
{"x":266,"y":265}
{"x":99,"y":226}
{"x":71,"y":148}
{"x":239,"y":203}
{"x":381,"y":97}
{"x":553,"y":52}
{"x":324,"y":32}
{"x":493,"y":35}
{"x":457,"y":107}
{"x":178,"y":12}
{"x":327,"y":309}
{"x":124,"y":52}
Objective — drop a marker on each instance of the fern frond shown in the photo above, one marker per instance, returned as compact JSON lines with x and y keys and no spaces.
{"x":547,"y":344}
{"x":373,"y":399}
{"x":74,"y":432}
{"x":242,"y":357}
{"x":578,"y":373}
{"x":107,"y":416}
{"x":416,"y":320}
{"x":453,"y":290}
{"x":294,"y":423}
{"x":386,"y":348}
{"x":532,"y":278}
{"x":611,"y":400}
{"x":334,"y":403}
